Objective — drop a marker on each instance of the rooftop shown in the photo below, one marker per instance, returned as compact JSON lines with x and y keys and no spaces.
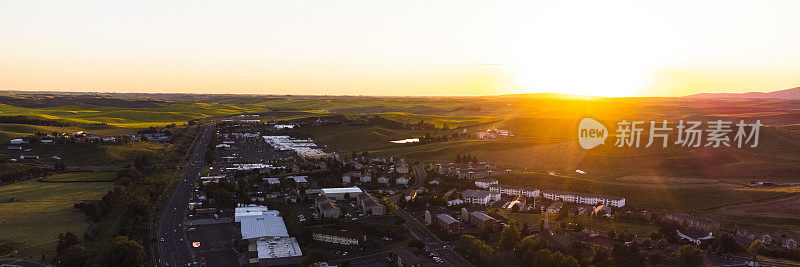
{"x":281,"y":247}
{"x":342,"y":190}
{"x":481,"y":216}
{"x":446,"y":218}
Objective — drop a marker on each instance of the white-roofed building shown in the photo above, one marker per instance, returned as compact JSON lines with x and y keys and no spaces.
{"x":269,"y":241}
{"x":340,"y":192}
{"x":481,"y":197}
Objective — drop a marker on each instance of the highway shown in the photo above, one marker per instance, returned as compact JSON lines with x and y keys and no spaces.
{"x":433,"y":243}
{"x":174,"y":250}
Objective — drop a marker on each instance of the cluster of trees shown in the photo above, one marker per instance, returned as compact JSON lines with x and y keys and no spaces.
{"x":13,"y":172}
{"x":122,"y":253}
{"x":464,"y":159}
{"x":96,"y":210}
{"x":428,"y":138}
{"x":32,"y":121}
{"x":535,"y":252}
{"x":223,"y":193}
{"x":381,"y":121}
{"x":477,"y":251}
{"x":136,"y":217}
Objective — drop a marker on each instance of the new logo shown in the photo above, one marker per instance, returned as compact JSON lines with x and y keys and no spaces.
{"x":591,"y":133}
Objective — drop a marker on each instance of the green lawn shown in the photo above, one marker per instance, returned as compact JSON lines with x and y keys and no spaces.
{"x":83,"y":177}
{"x":40,"y":212}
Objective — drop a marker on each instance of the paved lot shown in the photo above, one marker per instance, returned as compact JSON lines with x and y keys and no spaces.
{"x":217,"y":243}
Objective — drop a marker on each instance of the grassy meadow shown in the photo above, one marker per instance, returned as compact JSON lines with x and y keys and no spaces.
{"x":82,"y":177}
{"x":41,"y":211}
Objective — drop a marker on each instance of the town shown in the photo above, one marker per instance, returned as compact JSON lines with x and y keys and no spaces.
{"x":262,"y":198}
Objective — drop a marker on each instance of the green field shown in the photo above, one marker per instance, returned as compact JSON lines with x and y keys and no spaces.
{"x":83,"y":177}
{"x":40,"y":212}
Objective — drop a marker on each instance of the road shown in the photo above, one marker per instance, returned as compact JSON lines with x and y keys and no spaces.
{"x":433,"y":243}
{"x":175,"y":250}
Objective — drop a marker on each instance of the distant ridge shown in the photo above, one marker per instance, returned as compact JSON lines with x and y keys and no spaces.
{"x":793,"y":93}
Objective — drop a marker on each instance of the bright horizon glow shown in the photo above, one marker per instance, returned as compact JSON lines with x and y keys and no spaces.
{"x":448,"y":47}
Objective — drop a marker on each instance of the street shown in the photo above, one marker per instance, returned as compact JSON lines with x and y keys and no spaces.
{"x":432,"y":242}
{"x":174,"y":250}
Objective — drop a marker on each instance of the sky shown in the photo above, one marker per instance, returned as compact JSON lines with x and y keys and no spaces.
{"x":443,"y":47}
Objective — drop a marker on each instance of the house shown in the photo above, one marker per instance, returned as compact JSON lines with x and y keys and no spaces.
{"x":483,"y":221}
{"x":555,"y":207}
{"x":405,"y":258}
{"x":402,"y":168}
{"x":480,"y":197}
{"x":485,"y":183}
{"x":401,"y":181}
{"x":692,"y":221}
{"x":448,"y":223}
{"x":345,"y":179}
{"x":455,"y":202}
{"x":299,"y":179}
{"x":16,"y":141}
{"x":694,"y":235}
{"x":15,"y":148}
{"x":435,"y":181}
{"x":383,"y":180}
{"x":789,"y":243}
{"x":337,"y":237}
{"x":56,"y":157}
{"x":365,"y":179}
{"x":766,"y":239}
{"x":47,"y":141}
{"x":272,"y":181}
{"x":28,"y":157}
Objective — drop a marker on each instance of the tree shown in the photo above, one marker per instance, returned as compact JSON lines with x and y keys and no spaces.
{"x":74,"y":255}
{"x":690,"y":255}
{"x":755,"y":248}
{"x":509,"y":236}
{"x":125,"y":253}
{"x":312,"y":256}
{"x":66,"y":240}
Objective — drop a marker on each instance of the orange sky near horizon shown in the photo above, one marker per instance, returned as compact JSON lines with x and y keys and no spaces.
{"x":448,"y":47}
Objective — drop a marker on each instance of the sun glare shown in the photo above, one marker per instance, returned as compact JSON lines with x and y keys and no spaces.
{"x":603,"y":50}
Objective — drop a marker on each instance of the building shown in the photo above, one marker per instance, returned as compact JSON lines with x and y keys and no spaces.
{"x":485,"y":183}
{"x":211,"y":179}
{"x":483,"y":221}
{"x":448,"y":223}
{"x":455,"y":202}
{"x":273,"y":181}
{"x":327,"y":207}
{"x":269,"y":241}
{"x":365,"y":179}
{"x":694,"y":235}
{"x":789,"y":243}
{"x":383,"y":180}
{"x":402,"y":168}
{"x":341,"y":193}
{"x":513,"y":190}
{"x":16,"y":141}
{"x":370,"y":205}
{"x":584,"y":198}
{"x":604,"y":209}
{"x":337,"y":237}
{"x":435,"y":181}
{"x":555,"y":207}
{"x":691,"y":221}
{"x":345,"y":179}
{"x":480,"y":197}
{"x":401,"y":181}
{"x":432,"y":211}
{"x":405,"y":258}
